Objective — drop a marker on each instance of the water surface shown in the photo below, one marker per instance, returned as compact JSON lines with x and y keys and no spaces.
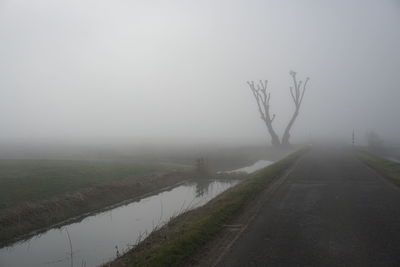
{"x":98,"y":238}
{"x":255,"y":167}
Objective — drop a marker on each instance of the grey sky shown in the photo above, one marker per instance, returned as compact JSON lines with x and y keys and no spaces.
{"x":177,"y":70}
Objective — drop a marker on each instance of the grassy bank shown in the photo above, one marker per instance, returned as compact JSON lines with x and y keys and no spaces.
{"x":386,"y":168}
{"x":180,"y":238}
{"x":33,"y":180}
{"x":38,"y":194}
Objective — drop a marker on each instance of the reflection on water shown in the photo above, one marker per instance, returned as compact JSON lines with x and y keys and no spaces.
{"x":98,"y":238}
{"x":255,"y":167}
{"x":202,"y":187}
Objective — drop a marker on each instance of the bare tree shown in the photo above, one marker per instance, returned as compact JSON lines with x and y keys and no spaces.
{"x":297,"y":93}
{"x":262,"y":99}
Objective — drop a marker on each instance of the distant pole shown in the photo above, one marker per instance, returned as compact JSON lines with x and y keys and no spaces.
{"x":353,"y":138}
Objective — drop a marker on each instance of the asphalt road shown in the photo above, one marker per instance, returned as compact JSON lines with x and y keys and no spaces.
{"x":332,"y":210}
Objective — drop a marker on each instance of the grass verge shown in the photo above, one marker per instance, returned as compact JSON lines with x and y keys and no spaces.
{"x":180,"y":238}
{"x":386,"y":168}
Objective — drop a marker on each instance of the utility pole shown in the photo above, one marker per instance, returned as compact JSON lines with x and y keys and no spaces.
{"x":353,"y":138}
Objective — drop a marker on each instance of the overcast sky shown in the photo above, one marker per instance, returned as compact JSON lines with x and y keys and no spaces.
{"x":172,"y":71}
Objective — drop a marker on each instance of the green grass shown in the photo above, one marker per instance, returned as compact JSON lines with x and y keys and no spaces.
{"x":32,"y":180}
{"x":178,"y":240}
{"x":386,"y":168}
{"x":35,"y":195}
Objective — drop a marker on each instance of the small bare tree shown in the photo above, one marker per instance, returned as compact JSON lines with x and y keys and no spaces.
{"x":262,"y":98}
{"x":297,"y":92}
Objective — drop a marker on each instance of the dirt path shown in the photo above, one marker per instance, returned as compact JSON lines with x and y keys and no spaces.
{"x":329,"y":210}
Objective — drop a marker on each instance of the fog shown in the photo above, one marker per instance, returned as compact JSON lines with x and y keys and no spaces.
{"x":175,"y":72}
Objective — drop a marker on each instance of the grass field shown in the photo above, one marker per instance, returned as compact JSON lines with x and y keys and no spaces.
{"x":179,"y":239}
{"x":36,"y":194}
{"x":32,"y":180}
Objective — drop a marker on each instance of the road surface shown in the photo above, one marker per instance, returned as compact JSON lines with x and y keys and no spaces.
{"x":332,"y":210}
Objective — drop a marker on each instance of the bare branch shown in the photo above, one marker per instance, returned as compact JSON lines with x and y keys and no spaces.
{"x":291,"y":92}
{"x":262,"y":98}
{"x":257,"y":97}
{"x":297,"y":95}
{"x":304,"y":89}
{"x":298,"y":90}
{"x":293,"y":74}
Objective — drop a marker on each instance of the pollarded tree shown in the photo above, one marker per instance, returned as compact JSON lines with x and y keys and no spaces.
{"x":263,"y":97}
{"x":297,"y":92}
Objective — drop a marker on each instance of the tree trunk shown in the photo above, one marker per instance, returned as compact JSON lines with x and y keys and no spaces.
{"x":286,"y":135}
{"x":262,"y":98}
{"x":297,"y":96}
{"x":274,"y":137}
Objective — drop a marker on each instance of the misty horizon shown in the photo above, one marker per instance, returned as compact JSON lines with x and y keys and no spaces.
{"x":199,"y":133}
{"x":159,"y":73}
